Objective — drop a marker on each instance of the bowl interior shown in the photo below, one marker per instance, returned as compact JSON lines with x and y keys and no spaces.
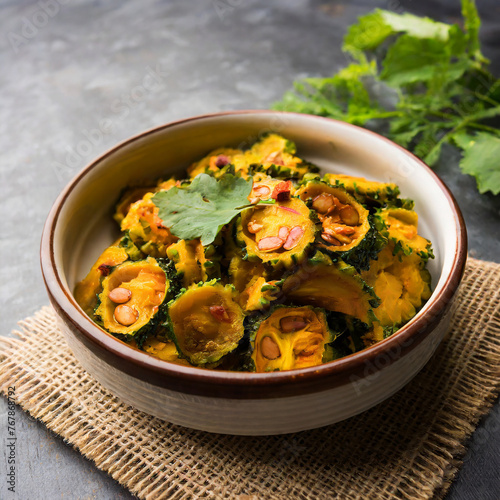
{"x":84,"y":226}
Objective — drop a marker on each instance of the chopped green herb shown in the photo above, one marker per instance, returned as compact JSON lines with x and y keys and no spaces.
{"x":204,"y":207}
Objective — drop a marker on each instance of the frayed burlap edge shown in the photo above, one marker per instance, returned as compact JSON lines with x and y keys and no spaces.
{"x":410,"y":446}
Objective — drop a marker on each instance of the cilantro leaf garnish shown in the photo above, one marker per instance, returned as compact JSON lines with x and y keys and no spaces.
{"x":480,"y":159}
{"x":204,"y":207}
{"x":420,"y":82}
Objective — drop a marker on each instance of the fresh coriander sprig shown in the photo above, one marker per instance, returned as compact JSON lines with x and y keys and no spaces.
{"x":438,"y":80}
{"x":204,"y":207}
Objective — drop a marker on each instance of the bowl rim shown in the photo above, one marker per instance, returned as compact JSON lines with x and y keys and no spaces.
{"x":244,"y":385}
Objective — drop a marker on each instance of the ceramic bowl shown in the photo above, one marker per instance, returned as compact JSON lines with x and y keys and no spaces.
{"x":79,"y":227}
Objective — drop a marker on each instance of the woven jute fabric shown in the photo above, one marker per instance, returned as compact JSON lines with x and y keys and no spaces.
{"x":409,"y":446}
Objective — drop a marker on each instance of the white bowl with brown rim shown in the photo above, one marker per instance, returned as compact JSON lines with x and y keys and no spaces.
{"x":79,"y":227}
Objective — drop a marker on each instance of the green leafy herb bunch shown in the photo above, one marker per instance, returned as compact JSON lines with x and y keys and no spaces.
{"x":442,"y":89}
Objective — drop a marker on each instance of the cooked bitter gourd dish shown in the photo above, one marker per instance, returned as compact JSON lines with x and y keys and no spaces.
{"x":256,"y":262}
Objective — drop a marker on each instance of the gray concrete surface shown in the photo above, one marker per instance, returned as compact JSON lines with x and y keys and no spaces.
{"x":78,"y":77}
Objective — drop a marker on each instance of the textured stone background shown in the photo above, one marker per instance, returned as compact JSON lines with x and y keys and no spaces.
{"x":78,"y":77}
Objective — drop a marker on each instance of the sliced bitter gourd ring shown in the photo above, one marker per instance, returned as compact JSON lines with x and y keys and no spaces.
{"x":86,"y":290}
{"x":346,"y":229}
{"x":128,"y":197}
{"x":264,"y":187}
{"x":403,"y":285}
{"x":402,"y":229}
{"x":374,"y":335}
{"x":133,"y":194}
{"x":215,"y":162}
{"x":129,"y":246}
{"x":131,"y":297}
{"x":363,"y":189}
{"x":206,"y":323}
{"x":275,"y":155}
{"x":194,"y":262}
{"x":250,"y":280}
{"x":279,"y":234}
{"x":335,"y":287}
{"x":162,"y":185}
{"x":243,"y":272}
{"x":273,"y":147}
{"x":145,"y":228}
{"x":259,"y":294}
{"x":290,"y":337}
{"x":165,"y":350}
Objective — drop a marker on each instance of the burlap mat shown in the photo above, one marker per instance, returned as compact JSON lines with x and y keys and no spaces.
{"x":407,"y":447}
